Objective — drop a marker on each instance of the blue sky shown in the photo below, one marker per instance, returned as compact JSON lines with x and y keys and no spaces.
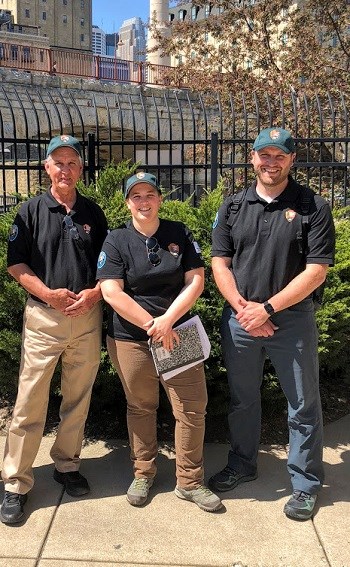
{"x":110,"y":14}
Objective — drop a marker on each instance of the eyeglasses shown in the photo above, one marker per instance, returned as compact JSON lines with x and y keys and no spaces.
{"x":152,"y":248}
{"x":71,"y":227}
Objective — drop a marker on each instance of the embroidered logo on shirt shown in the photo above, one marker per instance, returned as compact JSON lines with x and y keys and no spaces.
{"x":87,"y":228}
{"x":216,"y":220}
{"x":101,"y":260}
{"x":13,"y":233}
{"x":174,"y":249}
{"x":290,"y":215}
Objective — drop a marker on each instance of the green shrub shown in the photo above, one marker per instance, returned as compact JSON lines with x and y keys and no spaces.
{"x":333,"y":318}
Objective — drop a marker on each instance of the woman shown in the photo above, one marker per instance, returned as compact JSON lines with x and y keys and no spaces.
{"x":151,"y":274}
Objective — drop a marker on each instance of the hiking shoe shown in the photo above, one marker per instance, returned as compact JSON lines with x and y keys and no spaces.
{"x":300,"y":505}
{"x":12,"y":507}
{"x":138,"y":490}
{"x":227,"y":479}
{"x":202,"y":496}
{"x":74,"y":483}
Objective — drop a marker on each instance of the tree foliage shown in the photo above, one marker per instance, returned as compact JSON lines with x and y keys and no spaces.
{"x":264,"y":46}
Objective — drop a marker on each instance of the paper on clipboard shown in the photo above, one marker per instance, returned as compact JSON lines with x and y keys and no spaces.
{"x":205,"y":346}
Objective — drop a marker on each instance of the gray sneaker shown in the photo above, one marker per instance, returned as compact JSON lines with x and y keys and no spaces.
{"x":202,"y":496}
{"x":138,"y":491}
{"x":300,"y":505}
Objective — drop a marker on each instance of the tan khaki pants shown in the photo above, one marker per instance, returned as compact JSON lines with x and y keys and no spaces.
{"x":188,"y":397}
{"x":47,"y":336}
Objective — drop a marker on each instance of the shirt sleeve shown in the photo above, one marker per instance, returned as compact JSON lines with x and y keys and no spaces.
{"x":321,"y":237}
{"x":110,"y":264}
{"x":221,"y":235}
{"x":20,"y":239}
{"x":192,"y":258}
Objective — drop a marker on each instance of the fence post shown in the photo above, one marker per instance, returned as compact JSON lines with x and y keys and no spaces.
{"x":91,"y":166}
{"x":213,"y":160}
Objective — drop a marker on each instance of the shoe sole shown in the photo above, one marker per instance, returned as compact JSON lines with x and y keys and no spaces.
{"x":201,"y":506}
{"x":215,"y":488}
{"x":295,"y":516}
{"x":16,"y":521}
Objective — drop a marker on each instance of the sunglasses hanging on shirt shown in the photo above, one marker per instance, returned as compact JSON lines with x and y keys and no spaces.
{"x":152,"y":248}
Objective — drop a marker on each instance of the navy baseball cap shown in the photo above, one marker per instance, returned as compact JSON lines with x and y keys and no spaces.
{"x":141,"y":177}
{"x":63,"y":141}
{"x":276,"y":138}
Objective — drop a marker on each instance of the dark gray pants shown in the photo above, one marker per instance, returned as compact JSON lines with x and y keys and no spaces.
{"x":293,"y":352}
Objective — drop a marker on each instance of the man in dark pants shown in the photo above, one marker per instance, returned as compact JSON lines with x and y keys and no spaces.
{"x":53,"y":249}
{"x":271,"y":249}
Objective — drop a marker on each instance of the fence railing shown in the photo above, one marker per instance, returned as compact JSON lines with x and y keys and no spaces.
{"x":57,"y":61}
{"x":187,"y":140}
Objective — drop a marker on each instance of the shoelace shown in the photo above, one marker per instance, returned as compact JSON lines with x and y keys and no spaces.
{"x":301,"y":496}
{"x":11,"y":497}
{"x":204,"y":490}
{"x":140,"y":483}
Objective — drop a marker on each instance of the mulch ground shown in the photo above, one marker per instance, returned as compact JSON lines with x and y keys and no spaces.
{"x":110,"y":422}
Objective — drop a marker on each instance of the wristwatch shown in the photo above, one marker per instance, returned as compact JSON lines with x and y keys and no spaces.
{"x":268,"y":308}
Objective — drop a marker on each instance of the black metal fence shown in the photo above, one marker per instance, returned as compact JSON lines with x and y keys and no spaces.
{"x":188,"y":141}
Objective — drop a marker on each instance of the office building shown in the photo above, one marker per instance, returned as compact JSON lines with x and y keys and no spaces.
{"x":67,"y":23}
{"x":132,"y":40}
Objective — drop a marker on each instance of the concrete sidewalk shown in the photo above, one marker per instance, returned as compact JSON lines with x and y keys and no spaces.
{"x":103,"y":530}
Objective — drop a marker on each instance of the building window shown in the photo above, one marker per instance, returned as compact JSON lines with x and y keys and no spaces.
{"x":194,"y":11}
{"x":182,"y":15}
{"x":284,"y":38}
{"x":65,"y":2}
{"x":171,"y":17}
{"x":64,"y":19}
{"x":82,"y":4}
{"x":27,"y":13}
{"x":82,"y":21}
{"x":206,"y":37}
{"x":44,"y":15}
{"x":82,"y":37}
{"x":207,"y":10}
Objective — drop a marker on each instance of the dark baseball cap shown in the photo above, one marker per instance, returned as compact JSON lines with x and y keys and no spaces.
{"x":276,"y":138}
{"x":141,"y":177}
{"x":63,"y":141}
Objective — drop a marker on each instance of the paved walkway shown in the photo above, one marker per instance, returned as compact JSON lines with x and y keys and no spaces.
{"x":103,"y":530}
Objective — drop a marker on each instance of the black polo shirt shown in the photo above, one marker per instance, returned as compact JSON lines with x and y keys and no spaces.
{"x":263,"y":239}
{"x":59,"y":256}
{"x":124,"y":256}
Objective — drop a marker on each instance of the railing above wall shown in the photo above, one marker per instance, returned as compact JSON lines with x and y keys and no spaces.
{"x":75,"y":63}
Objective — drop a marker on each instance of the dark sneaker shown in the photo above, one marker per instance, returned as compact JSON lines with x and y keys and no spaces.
{"x":74,"y":483}
{"x":227,"y":479}
{"x":300,"y":505}
{"x":12,"y":507}
{"x":138,"y":490}
{"x":202,"y":496}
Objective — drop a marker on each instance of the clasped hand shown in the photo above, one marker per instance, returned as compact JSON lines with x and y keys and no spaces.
{"x":255,"y":320}
{"x":73,"y":304}
{"x":161,"y":331}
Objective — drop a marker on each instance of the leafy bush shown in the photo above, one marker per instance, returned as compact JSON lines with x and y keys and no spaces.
{"x":333,"y":318}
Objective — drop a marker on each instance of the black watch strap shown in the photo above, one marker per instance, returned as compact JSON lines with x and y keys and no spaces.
{"x":268,"y":308}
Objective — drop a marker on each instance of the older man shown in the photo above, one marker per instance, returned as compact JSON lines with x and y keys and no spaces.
{"x":272,"y":245}
{"x":53,"y":249}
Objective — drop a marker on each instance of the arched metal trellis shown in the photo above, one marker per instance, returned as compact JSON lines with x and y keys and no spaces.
{"x":188,"y":140}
